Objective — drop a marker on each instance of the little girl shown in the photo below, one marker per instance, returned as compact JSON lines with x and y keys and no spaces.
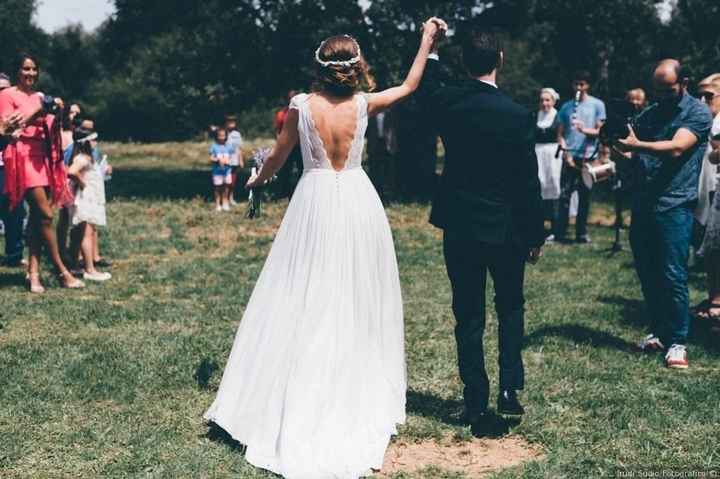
{"x":88,"y":210}
{"x":220,"y":155}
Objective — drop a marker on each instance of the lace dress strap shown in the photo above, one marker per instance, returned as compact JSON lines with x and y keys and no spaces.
{"x":297,"y":101}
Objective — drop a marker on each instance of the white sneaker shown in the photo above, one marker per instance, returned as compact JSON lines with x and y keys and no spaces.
{"x":233,"y":202}
{"x":676,"y":357}
{"x":651,"y":343}
{"x":218,"y":208}
{"x":97,"y":276}
{"x":226,"y":207}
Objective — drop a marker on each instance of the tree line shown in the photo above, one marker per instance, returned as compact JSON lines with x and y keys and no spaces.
{"x":166,"y":69}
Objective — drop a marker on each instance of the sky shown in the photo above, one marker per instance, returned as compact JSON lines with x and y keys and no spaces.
{"x":54,"y":14}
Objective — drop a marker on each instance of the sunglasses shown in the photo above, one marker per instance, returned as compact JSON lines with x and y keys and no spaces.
{"x":706,"y":96}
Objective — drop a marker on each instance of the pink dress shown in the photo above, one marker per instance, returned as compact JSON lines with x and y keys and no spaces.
{"x":31,"y":145}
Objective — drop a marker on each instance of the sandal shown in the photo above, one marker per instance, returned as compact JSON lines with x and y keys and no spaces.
{"x":71,"y":284}
{"x":36,"y":288}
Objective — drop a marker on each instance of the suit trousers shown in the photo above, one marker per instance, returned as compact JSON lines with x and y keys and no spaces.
{"x":468,"y":261}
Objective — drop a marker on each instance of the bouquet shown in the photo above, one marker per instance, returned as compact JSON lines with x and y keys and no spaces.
{"x":256,"y":195}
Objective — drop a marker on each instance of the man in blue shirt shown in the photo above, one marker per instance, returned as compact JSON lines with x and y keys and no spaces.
{"x":667,"y":147}
{"x":580,"y":120}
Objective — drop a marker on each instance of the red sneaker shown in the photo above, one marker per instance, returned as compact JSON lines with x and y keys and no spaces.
{"x":676,"y":357}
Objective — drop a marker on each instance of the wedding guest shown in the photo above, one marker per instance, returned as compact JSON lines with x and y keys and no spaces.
{"x":34,"y":170}
{"x":105,"y":170}
{"x":235,"y":140}
{"x":12,"y":220}
{"x":377,"y":153}
{"x":285,"y":182}
{"x":707,"y":212}
{"x":68,"y":116}
{"x":549,"y":167}
{"x":220,"y":154}
{"x":637,"y":98}
{"x":87,"y":212}
{"x":667,"y":150}
{"x":580,"y":120}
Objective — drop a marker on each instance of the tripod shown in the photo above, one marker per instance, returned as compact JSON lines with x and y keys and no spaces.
{"x":617,"y":190}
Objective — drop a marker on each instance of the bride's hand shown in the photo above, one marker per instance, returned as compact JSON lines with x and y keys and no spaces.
{"x":434,"y":28}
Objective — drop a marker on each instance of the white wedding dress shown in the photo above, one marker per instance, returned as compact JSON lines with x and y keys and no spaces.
{"x":315,"y":383}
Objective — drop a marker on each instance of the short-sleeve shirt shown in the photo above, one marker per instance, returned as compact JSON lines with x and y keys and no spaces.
{"x":666,"y":182}
{"x":590,"y":111}
{"x":218,"y":151}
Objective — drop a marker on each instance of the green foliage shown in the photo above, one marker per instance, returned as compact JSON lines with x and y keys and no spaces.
{"x":167,"y":69}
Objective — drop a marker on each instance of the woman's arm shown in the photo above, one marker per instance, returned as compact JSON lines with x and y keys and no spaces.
{"x":75,"y":170}
{"x":285,"y":143}
{"x":433,"y":28}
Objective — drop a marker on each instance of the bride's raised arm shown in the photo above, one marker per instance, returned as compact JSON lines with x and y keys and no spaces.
{"x":432,"y":30}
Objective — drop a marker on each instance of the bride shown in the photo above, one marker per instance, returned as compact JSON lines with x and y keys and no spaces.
{"x":315,"y":382}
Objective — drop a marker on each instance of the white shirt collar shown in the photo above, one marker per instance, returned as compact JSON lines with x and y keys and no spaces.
{"x":489,"y":83}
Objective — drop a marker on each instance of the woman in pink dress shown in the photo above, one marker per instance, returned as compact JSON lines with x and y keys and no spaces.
{"x":35,"y":171}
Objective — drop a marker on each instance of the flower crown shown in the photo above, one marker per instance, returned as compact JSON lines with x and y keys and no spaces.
{"x":338,"y":63}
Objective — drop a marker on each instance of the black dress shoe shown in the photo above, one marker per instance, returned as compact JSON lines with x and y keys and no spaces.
{"x":471,"y":417}
{"x":490,"y":425}
{"x":508,"y":403}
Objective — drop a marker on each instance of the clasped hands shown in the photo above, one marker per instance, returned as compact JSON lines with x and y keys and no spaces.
{"x":12,"y":124}
{"x":434,"y":29}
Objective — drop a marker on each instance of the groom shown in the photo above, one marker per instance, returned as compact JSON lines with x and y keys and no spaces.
{"x":488,"y":204}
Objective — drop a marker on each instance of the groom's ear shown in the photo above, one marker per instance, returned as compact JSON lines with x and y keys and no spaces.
{"x":501,"y":60}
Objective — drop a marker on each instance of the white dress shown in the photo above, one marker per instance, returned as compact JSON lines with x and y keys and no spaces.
{"x":89,"y":203}
{"x":315,"y":382}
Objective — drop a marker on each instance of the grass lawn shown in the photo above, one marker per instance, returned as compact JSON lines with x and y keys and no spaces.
{"x":112,"y":381}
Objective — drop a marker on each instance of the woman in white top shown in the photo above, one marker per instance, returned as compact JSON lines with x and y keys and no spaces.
{"x":315,"y":382}
{"x":549,"y":167}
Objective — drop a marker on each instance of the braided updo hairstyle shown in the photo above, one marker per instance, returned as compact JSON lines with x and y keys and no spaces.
{"x":342,"y":79}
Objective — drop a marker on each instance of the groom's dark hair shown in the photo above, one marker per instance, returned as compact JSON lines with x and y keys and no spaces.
{"x":481,"y":48}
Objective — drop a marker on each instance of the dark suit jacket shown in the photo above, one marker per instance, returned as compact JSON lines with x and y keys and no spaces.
{"x":489,"y":188}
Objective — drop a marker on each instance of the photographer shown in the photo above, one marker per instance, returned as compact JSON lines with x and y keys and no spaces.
{"x":667,"y":147}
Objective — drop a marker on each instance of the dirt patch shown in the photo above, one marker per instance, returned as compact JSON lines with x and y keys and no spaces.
{"x":475,"y":458}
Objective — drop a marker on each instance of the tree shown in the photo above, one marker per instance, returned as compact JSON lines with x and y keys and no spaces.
{"x":18,"y":34}
{"x":692,"y":39}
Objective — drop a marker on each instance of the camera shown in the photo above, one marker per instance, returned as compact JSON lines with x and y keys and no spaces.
{"x":49,"y":105}
{"x":620,"y":114}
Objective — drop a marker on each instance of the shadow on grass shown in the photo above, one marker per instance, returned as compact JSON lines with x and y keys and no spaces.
{"x":204,"y":372}
{"x":449,"y":411}
{"x":12,"y":279}
{"x":701,"y":333}
{"x":581,"y":335}
{"x":632,"y":310}
{"x":217,"y":434}
{"x":428,"y":405}
{"x":149,"y":183}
